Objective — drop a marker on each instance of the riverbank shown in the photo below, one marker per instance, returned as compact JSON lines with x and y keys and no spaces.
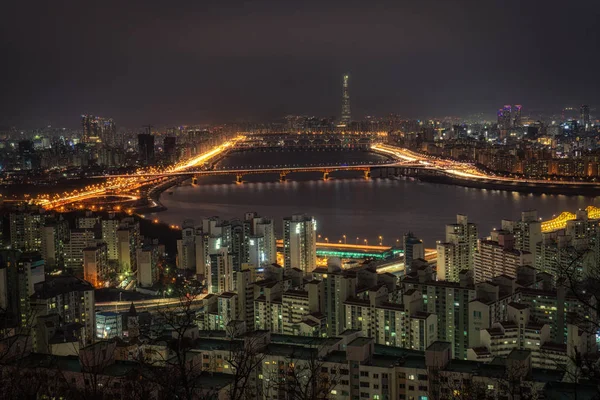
{"x":567,"y":189}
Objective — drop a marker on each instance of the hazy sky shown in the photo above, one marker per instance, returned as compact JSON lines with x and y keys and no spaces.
{"x":176,"y":62}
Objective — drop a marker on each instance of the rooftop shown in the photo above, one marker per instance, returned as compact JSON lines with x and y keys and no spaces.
{"x":60,"y":284}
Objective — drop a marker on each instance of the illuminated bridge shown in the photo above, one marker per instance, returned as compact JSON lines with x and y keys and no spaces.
{"x":560,"y":222}
{"x":283,"y":170}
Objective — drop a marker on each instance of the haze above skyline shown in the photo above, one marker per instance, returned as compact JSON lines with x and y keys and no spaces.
{"x":210,"y":61}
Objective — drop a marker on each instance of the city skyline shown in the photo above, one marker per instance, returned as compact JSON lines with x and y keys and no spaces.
{"x":226,"y":64}
{"x":313,"y":200}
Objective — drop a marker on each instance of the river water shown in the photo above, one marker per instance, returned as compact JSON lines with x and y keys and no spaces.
{"x":347,"y":204}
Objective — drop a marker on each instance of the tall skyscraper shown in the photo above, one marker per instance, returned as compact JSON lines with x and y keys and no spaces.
{"x":346,"y":117}
{"x":505,"y":121}
{"x":516,"y":115}
{"x":146,"y":148}
{"x":585,"y":117}
{"x":170,"y":149}
{"x":98,"y":129}
{"x":299,"y":243}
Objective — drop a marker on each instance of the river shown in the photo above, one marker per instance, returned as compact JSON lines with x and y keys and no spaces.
{"x":347,"y":204}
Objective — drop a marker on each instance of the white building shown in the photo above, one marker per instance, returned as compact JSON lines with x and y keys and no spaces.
{"x":299,"y":243}
{"x":25,"y":231}
{"x":220,"y":276}
{"x":456,"y":253}
{"x":72,"y":299}
{"x":498,"y":256}
{"x":109,"y":325}
{"x":147,"y":266}
{"x":79,"y":239}
{"x":95,"y":264}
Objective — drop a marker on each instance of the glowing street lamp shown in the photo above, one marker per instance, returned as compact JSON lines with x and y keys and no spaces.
{"x":381,"y":240}
{"x":344,"y":236}
{"x":327,"y":240}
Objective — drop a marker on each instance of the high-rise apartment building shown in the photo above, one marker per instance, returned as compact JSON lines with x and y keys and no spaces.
{"x":449,"y":301}
{"x":299,"y":243}
{"x":109,"y":236}
{"x":456,"y":253}
{"x":499,"y":256}
{"x":54,"y":239}
{"x":147,"y":265}
{"x":259,"y":240}
{"x":340,"y":285}
{"x":72,"y":299}
{"x":186,"y":248}
{"x":79,"y":239}
{"x":31,"y":271}
{"x":220,"y":275}
{"x":392,"y":323}
{"x":527,"y":231}
{"x":413,"y":249}
{"x":95,"y":264}
{"x":128,"y":241}
{"x":25,"y":230}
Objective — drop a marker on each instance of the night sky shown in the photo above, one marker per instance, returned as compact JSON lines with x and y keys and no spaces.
{"x":181,"y":62}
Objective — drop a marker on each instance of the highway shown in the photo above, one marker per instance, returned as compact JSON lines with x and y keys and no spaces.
{"x":129,"y":185}
{"x":146,"y":305}
{"x":464,"y":170}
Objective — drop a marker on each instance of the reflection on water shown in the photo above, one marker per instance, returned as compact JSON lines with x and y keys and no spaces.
{"x":349,"y":205}
{"x":360,"y":208}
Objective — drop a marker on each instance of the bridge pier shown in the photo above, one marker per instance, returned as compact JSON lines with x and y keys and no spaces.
{"x":282,"y":176}
{"x":238,"y":179}
{"x":367,"y":173}
{"x":326,"y":175}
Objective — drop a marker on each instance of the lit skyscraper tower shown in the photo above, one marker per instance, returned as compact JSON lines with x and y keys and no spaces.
{"x":517,"y":115}
{"x":345,"y":120}
{"x":506,"y":113}
{"x":97,"y":129}
{"x":585,"y":117}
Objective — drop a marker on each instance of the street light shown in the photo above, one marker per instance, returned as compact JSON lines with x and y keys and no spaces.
{"x":357,"y":240}
{"x":381,"y":240}
{"x":366,"y":242}
{"x":344,"y":236}
{"x":327,"y":240}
